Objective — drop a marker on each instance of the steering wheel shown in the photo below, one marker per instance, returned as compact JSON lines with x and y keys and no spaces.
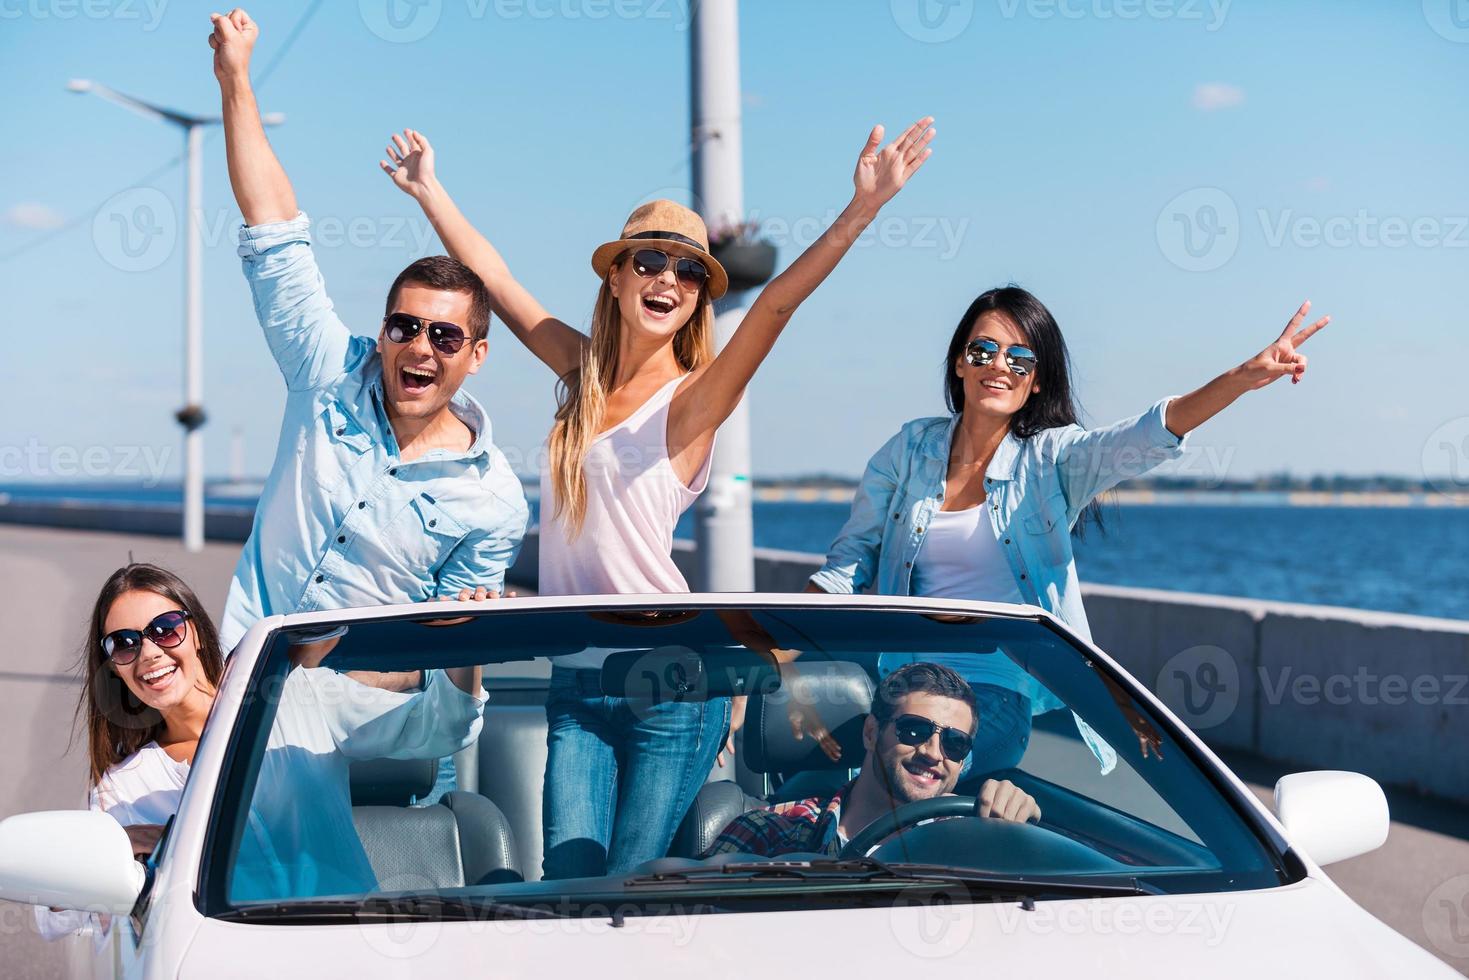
{"x":909,"y":814}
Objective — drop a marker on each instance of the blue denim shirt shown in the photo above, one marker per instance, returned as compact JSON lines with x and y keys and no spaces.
{"x":1036,"y":489}
{"x":343,"y":521}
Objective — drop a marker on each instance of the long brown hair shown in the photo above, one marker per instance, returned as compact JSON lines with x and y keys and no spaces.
{"x":117,"y":724}
{"x":582,"y":396}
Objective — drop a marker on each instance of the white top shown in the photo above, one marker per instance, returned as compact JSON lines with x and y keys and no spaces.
{"x":302,"y":808}
{"x":960,"y":559}
{"x":634,"y":499}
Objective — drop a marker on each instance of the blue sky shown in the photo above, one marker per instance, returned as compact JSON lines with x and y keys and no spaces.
{"x":1171,"y":177}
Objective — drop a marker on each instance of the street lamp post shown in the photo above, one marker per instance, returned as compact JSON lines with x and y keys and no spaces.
{"x":191,"y":416}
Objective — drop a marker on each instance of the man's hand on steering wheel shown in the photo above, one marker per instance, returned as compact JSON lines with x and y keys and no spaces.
{"x":1003,"y":800}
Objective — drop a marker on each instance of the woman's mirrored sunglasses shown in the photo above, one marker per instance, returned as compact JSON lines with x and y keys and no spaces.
{"x":982,"y":352}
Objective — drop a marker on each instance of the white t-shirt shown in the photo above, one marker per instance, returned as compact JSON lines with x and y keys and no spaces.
{"x":960,"y":559}
{"x":302,"y":808}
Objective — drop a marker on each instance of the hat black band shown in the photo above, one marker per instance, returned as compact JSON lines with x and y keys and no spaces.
{"x":669,"y":236}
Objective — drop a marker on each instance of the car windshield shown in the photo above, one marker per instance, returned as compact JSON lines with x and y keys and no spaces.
{"x":405,"y":759}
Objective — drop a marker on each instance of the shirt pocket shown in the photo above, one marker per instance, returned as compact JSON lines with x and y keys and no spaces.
{"x":337,"y":442}
{"x":423,"y":534}
{"x":1049,"y":532}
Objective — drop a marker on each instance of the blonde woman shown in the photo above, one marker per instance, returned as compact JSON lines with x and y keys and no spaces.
{"x":639,"y":403}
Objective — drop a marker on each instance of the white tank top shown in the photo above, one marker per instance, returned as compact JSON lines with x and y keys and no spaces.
{"x":634,"y":499}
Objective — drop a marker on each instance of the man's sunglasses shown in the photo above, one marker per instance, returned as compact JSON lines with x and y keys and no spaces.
{"x":650,"y":262}
{"x":446,"y":337}
{"x":166,"y":630}
{"x":982,"y":352}
{"x":915,"y":730}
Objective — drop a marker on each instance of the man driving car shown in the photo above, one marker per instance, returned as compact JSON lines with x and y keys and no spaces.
{"x":917,"y":736}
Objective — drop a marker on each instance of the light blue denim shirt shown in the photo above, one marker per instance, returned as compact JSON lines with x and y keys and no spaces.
{"x":343,"y":521}
{"x":1036,"y":489}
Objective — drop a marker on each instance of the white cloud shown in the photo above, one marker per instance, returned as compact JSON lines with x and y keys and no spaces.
{"x":1212,"y":96}
{"x":33,"y":216}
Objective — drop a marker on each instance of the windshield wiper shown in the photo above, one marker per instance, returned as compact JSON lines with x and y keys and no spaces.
{"x":401,"y":908}
{"x":866,"y":869}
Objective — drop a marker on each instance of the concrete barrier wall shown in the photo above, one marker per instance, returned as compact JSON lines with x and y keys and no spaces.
{"x":1315,"y":687}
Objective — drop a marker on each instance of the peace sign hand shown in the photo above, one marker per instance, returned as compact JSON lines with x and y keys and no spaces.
{"x":882,"y":173}
{"x":1282,"y":357}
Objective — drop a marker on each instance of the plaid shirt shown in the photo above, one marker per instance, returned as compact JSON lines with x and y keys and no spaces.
{"x":801,"y":825}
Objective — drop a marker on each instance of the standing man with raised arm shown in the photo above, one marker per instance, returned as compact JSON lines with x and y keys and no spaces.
{"x":386,"y":486}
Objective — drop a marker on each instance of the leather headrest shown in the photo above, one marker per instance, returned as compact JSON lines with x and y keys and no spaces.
{"x":840,"y":692}
{"x":392,"y":782}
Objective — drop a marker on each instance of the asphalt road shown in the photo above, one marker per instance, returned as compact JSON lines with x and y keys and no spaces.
{"x":1418,"y":882}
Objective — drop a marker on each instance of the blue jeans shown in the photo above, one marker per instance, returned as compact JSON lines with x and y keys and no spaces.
{"x":620,"y":775}
{"x":1004,"y":729}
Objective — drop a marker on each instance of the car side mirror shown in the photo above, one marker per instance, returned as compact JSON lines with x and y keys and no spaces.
{"x":69,"y":859}
{"x":1332,"y":815}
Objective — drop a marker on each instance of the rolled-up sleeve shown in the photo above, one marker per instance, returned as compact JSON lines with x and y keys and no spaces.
{"x":309,"y":342}
{"x":371,"y":723}
{"x":851,"y":563}
{"x":1092,"y":461}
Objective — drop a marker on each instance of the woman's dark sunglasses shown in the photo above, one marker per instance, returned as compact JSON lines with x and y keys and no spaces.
{"x":649,"y":262}
{"x":166,"y":630}
{"x":916,"y":730}
{"x":446,"y":337}
{"x":981,"y":353}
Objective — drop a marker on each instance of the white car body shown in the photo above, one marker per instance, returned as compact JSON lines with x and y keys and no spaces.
{"x":1306,"y":928}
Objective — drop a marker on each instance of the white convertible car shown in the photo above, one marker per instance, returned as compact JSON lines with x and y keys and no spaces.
{"x":1163,"y":865}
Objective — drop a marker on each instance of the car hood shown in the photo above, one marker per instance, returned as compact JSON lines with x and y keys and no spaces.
{"x":1308,"y":928}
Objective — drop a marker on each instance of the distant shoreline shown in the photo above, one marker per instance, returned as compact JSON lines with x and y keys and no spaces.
{"x":1181,"y":498}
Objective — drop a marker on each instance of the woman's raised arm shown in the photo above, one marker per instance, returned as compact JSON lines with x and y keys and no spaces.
{"x":880,"y":174}
{"x":412,"y":170}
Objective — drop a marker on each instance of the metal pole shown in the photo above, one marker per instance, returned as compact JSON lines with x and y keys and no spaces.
{"x":723,"y":527}
{"x":194,"y":345}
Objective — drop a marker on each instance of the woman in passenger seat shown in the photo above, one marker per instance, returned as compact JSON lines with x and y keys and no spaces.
{"x":150,"y":667}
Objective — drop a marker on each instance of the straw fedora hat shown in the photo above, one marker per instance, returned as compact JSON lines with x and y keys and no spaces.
{"x":670,"y":227}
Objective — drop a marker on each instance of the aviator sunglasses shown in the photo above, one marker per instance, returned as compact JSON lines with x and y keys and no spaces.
{"x":166,"y":630}
{"x":446,"y":337}
{"x":915,"y":730}
{"x":649,"y":263}
{"x":981,"y":353}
